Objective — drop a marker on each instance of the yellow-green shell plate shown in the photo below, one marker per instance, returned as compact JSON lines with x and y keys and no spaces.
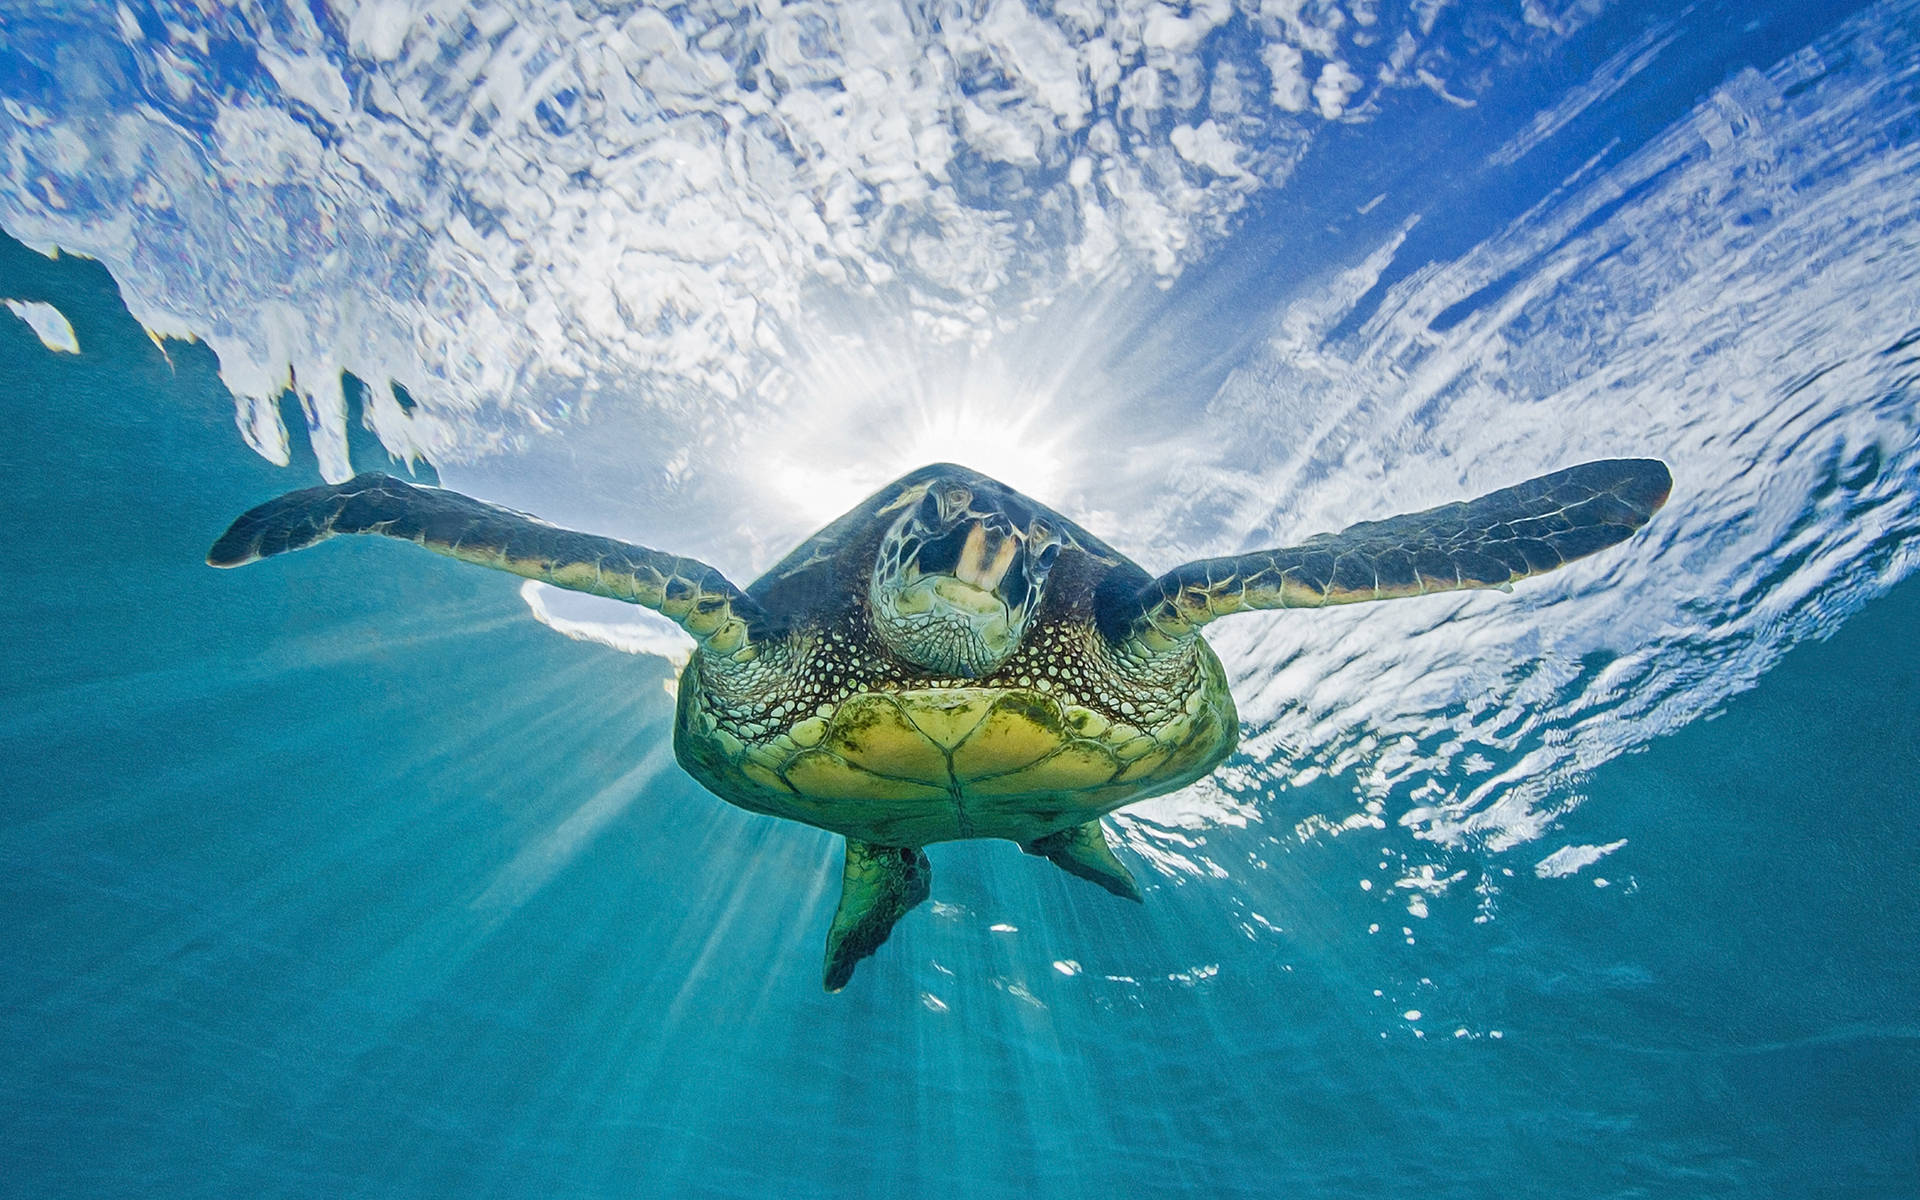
{"x":910,"y":767}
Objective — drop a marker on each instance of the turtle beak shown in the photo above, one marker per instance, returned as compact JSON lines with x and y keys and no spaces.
{"x":953,"y":598}
{"x":985,"y":557}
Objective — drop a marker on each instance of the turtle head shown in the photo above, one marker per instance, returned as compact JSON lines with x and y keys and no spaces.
{"x":959,"y":575}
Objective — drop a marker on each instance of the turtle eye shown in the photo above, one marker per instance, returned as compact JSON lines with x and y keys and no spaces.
{"x":953,"y":501}
{"x":1049,"y":552}
{"x":928,"y":513}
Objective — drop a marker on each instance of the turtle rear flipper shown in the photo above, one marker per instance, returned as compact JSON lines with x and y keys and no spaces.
{"x":1083,"y":851}
{"x":881,"y":884}
{"x":1528,"y":529}
{"x":689,"y":592}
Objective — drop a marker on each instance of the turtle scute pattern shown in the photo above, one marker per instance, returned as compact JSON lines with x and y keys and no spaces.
{"x":906,"y":762}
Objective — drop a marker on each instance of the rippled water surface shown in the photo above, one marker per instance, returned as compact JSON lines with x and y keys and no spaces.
{"x":365,"y":873}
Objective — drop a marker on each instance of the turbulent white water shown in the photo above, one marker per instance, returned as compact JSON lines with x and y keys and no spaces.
{"x":747,"y":262}
{"x":1738,"y":298}
{"x":520,"y":211}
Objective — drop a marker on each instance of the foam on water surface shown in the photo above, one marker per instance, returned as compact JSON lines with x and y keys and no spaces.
{"x":521,"y":212}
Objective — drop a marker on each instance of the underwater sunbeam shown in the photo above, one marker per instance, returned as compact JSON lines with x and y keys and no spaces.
{"x":871,"y":409}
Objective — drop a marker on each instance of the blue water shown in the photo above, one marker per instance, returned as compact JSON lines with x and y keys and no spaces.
{"x":363,"y":873}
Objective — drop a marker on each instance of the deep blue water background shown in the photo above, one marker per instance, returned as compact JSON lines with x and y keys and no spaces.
{"x":251,"y":816}
{"x":340,"y":876}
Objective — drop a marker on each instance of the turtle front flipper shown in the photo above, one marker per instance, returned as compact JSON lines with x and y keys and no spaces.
{"x":1516,"y":532}
{"x":881,"y":884}
{"x":697,"y":597}
{"x":1083,"y":851}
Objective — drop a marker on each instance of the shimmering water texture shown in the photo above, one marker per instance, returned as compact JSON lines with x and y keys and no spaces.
{"x":365,"y":873}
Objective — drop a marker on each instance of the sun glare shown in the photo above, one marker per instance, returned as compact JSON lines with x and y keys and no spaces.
{"x":859,"y":420}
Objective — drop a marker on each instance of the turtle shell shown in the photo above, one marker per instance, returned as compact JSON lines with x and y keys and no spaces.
{"x":921,"y":765}
{"x":843,"y":735}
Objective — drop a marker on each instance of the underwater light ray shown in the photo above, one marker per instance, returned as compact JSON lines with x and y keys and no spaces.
{"x":535,"y":864}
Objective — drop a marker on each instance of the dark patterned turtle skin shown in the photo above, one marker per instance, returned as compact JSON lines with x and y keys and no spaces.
{"x":952,"y":659}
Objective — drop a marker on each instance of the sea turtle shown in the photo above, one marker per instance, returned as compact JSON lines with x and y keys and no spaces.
{"x":952,"y":659}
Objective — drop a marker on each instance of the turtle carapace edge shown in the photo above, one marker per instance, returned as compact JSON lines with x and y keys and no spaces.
{"x":952,"y":659}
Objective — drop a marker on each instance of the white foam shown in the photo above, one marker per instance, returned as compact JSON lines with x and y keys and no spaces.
{"x":1286,"y":68}
{"x":641,"y":631}
{"x":1334,"y":88}
{"x":1570,"y":860}
{"x":525,"y":214}
{"x":1619,"y":318}
{"x":1609,"y":78}
{"x":48,"y":323}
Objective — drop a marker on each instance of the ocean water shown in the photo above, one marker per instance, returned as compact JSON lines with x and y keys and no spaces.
{"x":365,"y":873}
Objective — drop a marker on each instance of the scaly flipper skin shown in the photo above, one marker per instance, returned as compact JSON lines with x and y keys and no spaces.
{"x":701,"y":600}
{"x":881,"y":885}
{"x":1510,"y":534}
{"x":1083,"y":851}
